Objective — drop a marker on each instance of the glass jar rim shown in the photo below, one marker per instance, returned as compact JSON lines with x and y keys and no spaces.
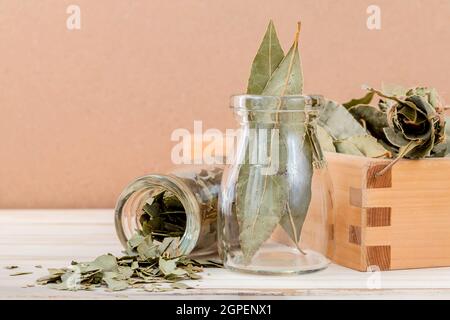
{"x":166,"y":183}
{"x":287,"y":103}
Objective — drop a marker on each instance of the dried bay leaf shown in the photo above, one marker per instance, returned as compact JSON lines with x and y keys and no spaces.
{"x":124,"y":273}
{"x":151,"y":287}
{"x":163,"y":216}
{"x":106,"y":262}
{"x":372,"y":118}
{"x":300,"y":172}
{"x":11,"y":267}
{"x":266,"y":61}
{"x":264,"y":204}
{"x":169,"y":267}
{"x":364,"y":100}
{"x":180,"y":285}
{"x":113,"y":283}
{"x":443,"y":149}
{"x":287,"y":79}
{"x":366,"y":146}
{"x":20,"y":273}
{"x":130,"y":271}
{"x":57,"y":271}
{"x":147,"y":249}
{"x":395,"y":138}
{"x":169,"y":247}
{"x":155,"y":288}
{"x":326,"y":141}
{"x":269,"y":56}
{"x":347,"y":133}
{"x":347,"y":147}
{"x":48,"y":279}
{"x":134,"y":265}
{"x":208,"y":262}
{"x":63,"y":286}
{"x":262,"y":199}
{"x":338,"y":122}
{"x":415,"y":124}
{"x":135,"y":240}
{"x":391,"y":89}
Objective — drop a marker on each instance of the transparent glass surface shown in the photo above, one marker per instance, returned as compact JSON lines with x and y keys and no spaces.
{"x":195,"y":187}
{"x":276,"y":200}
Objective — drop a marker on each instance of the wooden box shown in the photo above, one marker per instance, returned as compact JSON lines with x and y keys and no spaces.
{"x":396,"y":221}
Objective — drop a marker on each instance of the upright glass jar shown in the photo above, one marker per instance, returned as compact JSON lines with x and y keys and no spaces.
{"x":196,"y":189}
{"x":275,"y":206}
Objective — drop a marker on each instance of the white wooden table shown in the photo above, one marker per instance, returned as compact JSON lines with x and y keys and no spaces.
{"x":53,"y":238}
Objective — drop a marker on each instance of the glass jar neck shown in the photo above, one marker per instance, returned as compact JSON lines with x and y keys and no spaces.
{"x":276,"y":111}
{"x":136,"y":194}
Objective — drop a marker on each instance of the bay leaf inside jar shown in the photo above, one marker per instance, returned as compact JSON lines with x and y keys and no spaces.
{"x":162,"y":216}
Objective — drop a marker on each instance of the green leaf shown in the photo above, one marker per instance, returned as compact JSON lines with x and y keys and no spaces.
{"x":261,"y":209}
{"x":135,"y":240}
{"x":348,"y":135}
{"x":363,"y":146}
{"x":180,"y":285}
{"x":169,"y":246}
{"x":415,"y":125}
{"x":147,"y":249}
{"x":364,"y":100}
{"x":20,"y":273}
{"x":372,"y":118}
{"x":287,"y":79}
{"x":261,"y":198}
{"x":395,"y":138}
{"x":124,"y":273}
{"x":106,"y":262}
{"x":56,"y":271}
{"x":11,"y":267}
{"x":338,"y":122}
{"x":130,"y":270}
{"x":393,"y":89}
{"x":163,"y":216}
{"x":300,"y":172}
{"x":169,"y":267}
{"x":114,"y":284}
{"x":443,"y":149}
{"x":266,"y":61}
{"x":347,"y":147}
{"x":153,"y":287}
{"x":326,"y":141}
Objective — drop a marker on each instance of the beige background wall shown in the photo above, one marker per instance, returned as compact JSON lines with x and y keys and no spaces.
{"x":84,"y":112}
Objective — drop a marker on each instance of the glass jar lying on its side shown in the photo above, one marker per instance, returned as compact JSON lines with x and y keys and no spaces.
{"x":180,"y":204}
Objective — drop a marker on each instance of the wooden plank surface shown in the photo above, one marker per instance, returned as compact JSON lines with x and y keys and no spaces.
{"x":53,"y":238}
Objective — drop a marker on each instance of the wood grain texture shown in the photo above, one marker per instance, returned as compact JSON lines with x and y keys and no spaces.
{"x":379,"y":256}
{"x":407,"y":210}
{"x":378,"y":217}
{"x":378,"y":181}
{"x":354,"y":235}
{"x":346,"y":173}
{"x":53,"y":238}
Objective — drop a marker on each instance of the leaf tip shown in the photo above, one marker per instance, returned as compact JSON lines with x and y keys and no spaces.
{"x":297,"y":33}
